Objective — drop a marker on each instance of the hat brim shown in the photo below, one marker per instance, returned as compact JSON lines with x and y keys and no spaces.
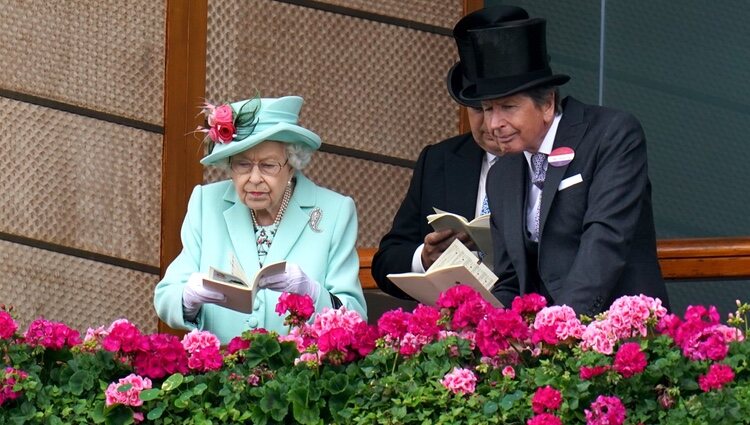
{"x":281,"y":132}
{"x":471,"y":94}
{"x":456,"y":83}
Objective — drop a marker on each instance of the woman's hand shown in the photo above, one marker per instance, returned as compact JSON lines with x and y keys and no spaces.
{"x":292,"y":280}
{"x":195,"y":295}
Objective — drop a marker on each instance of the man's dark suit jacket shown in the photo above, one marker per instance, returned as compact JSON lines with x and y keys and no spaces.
{"x":446,"y":177}
{"x":597,"y":240}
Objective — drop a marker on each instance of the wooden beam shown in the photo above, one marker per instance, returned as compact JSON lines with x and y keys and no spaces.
{"x":680,"y":259}
{"x":705,"y":258}
{"x":184,"y":89}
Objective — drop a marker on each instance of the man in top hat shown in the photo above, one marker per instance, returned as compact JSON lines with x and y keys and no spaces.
{"x":449,"y":175}
{"x":570,"y":195}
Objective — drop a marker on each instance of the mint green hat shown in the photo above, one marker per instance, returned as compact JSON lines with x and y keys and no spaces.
{"x":258,"y":120}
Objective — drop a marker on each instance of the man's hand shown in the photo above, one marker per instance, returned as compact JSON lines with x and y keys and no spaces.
{"x":436,"y":243}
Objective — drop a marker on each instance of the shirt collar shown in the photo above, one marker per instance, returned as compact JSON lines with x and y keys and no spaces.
{"x":549,"y":139}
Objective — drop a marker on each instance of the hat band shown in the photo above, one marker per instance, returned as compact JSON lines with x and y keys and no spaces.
{"x":243,"y":132}
{"x":504,"y":84}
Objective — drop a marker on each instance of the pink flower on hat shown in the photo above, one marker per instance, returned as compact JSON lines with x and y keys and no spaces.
{"x":221,"y":115}
{"x":220,"y":119}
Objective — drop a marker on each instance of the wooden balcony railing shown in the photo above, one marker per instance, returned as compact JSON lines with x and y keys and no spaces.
{"x":680,"y":259}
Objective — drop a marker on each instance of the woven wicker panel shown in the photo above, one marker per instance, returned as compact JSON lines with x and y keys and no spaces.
{"x":441,"y":13}
{"x":377,"y":189}
{"x":367,"y":85}
{"x":107,"y":56}
{"x":79,"y":292}
{"x":80,"y":182}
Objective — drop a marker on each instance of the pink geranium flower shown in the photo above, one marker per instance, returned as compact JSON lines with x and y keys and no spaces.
{"x":606,"y":411}
{"x":718,"y":375}
{"x":562,"y":320}
{"x":544,"y":419}
{"x":496,"y":331}
{"x":236,"y":344}
{"x":129,"y":397}
{"x":424,"y":322}
{"x":394,"y":323}
{"x":161,"y":355}
{"x":54,"y":335}
{"x":335,"y":346}
{"x":460,"y":380}
{"x":203,"y":350}
{"x":299,"y":307}
{"x":8,"y":379}
{"x":509,"y":372}
{"x":630,"y":360}
{"x":599,"y":336}
{"x":8,"y":326}
{"x":630,"y":316}
{"x":546,"y":399}
{"x":365,"y":339}
{"x":455,"y":296}
{"x":412,"y":344}
{"x":123,"y":336}
{"x":528,"y":304}
{"x":588,"y":372}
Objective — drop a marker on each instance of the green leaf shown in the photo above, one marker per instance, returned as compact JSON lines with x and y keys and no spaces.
{"x":490,"y":408}
{"x":261,"y":350}
{"x":200,"y":388}
{"x":308,"y":415}
{"x":97,"y":413}
{"x":507,"y":402}
{"x":172,"y":382}
{"x":337,"y":384}
{"x":150,"y":394}
{"x":78,"y":381}
{"x":124,"y":388}
{"x":155,"y":413}
{"x":274,"y":402}
{"x":119,"y":415}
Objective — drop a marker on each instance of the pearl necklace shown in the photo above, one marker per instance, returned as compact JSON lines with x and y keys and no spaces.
{"x":282,"y":208}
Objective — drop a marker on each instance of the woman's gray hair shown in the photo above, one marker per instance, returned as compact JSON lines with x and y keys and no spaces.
{"x":299,"y":155}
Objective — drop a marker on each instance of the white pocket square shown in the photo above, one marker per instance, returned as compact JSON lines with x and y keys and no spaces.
{"x":570,"y":181}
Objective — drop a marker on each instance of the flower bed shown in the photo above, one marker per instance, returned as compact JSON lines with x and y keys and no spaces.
{"x":460,"y":362}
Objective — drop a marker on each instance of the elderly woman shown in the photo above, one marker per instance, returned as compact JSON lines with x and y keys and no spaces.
{"x":268,"y":212}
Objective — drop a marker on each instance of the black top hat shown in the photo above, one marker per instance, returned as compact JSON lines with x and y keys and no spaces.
{"x":509,"y":58}
{"x":460,"y":76}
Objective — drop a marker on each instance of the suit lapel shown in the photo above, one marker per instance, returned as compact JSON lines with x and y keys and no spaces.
{"x":570,"y":132}
{"x":241,"y":232}
{"x":461,"y":188}
{"x":295,"y":219}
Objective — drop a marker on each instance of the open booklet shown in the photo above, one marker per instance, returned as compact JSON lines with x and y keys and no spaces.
{"x":477,"y":229}
{"x":457,"y":265}
{"x":239,"y":292}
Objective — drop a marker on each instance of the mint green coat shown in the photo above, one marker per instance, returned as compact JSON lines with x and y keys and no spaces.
{"x":217,"y":223}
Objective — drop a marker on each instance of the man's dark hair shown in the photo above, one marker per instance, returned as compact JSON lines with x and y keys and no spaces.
{"x":540,"y":94}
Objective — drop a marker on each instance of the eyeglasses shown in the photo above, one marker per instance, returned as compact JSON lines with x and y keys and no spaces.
{"x":267,"y":168}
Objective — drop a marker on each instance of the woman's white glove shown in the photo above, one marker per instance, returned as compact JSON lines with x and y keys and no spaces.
{"x":195,"y":295}
{"x":292,"y":280}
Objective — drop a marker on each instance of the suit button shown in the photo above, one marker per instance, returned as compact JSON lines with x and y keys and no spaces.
{"x":252,"y":322}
